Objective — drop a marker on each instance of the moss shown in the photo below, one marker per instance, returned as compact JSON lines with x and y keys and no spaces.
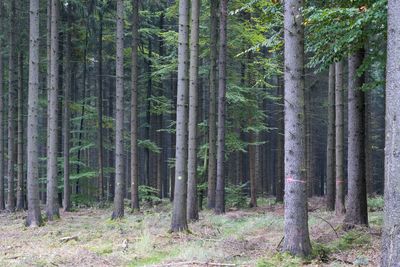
{"x":102,"y":249}
{"x":281,"y":260}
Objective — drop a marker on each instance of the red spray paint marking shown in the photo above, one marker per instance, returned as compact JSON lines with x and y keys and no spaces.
{"x":339,"y":181}
{"x":291,"y":180}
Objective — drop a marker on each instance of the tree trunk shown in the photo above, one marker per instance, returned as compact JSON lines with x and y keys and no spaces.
{"x":100,"y":145}
{"x":280,"y":175}
{"x":11,"y":110}
{"x":369,"y":165}
{"x":339,"y":123}
{"x":192,"y":206}
{"x":296,"y":238}
{"x":179,"y":220}
{"x":118,"y":211}
{"x":220,"y":189}
{"x":357,"y":209}
{"x":330,"y":150}
{"x":212,"y":133}
{"x":134,"y":108}
{"x":34,"y":217}
{"x":2,"y":197}
{"x":52,"y":211}
{"x":20,"y":147}
{"x":66,"y":118}
{"x":252,"y":164}
{"x":391,"y":230}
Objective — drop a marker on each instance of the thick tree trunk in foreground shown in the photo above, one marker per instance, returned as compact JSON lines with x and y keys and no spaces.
{"x":192,"y":205}
{"x":297,"y":240}
{"x":52,"y":211}
{"x":391,"y":228}
{"x":134,"y":107}
{"x":212,"y":131}
{"x":179,"y":220}
{"x":2,"y":197}
{"x":12,"y":83}
{"x":20,"y":138}
{"x":357,"y":209}
{"x":34,"y":217}
{"x":330,"y":150}
{"x":220,"y":188}
{"x":118,"y":211}
{"x":66,"y":115}
{"x":339,"y":139}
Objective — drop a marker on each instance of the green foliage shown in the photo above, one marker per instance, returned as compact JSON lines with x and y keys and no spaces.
{"x":376,"y":203}
{"x":82,"y":200}
{"x":350,"y":239}
{"x":235,"y":196}
{"x":150,"y":145}
{"x":281,"y":260}
{"x":148,"y":194}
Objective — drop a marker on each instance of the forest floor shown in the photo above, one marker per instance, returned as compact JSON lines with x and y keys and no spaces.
{"x":246,"y":237}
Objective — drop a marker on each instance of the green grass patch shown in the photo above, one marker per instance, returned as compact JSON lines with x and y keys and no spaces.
{"x":281,"y":260}
{"x":376,"y":203}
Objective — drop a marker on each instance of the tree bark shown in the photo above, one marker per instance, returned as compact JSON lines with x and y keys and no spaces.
{"x":330,"y":150}
{"x":220,"y":189}
{"x":52,"y":209}
{"x":100,"y":145}
{"x":391,"y":229}
{"x":34,"y":217}
{"x":357,"y":209}
{"x":252,"y":164}
{"x":2,"y":196}
{"x":192,"y":205}
{"x":20,"y":148}
{"x":179,"y":220}
{"x":339,"y":138}
{"x":212,"y":131}
{"x":118,"y":211}
{"x":134,"y":108}
{"x":280,"y":175}
{"x":296,"y":238}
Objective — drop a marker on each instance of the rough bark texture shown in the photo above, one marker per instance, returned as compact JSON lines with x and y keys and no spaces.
{"x":356,"y":210}
{"x":330,"y":150}
{"x":391,"y":227}
{"x":179,"y":220}
{"x":52,"y":209}
{"x":252,"y":164}
{"x":192,"y":205}
{"x":2,"y":197}
{"x":66,"y":115}
{"x":12,"y":84}
{"x":100,"y":150}
{"x":20,"y":138}
{"x":220,"y":188}
{"x":339,"y":139}
{"x":134,"y":111}
{"x":212,"y":130}
{"x":280,"y":175}
{"x":296,"y":238}
{"x":118,"y":211}
{"x":34,"y":217}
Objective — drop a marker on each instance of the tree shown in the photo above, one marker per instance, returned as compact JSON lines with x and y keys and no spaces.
{"x":339,"y":139}
{"x":134,"y":108}
{"x":2,"y":197}
{"x":357,"y":209}
{"x":20,"y":131}
{"x":118,"y":211}
{"x":212,"y":132}
{"x":296,"y":237}
{"x":52,"y":209}
{"x":192,"y":205}
{"x":67,"y":112}
{"x":12,"y":84}
{"x":179,"y":220}
{"x":34,"y":217}
{"x":330,"y":149}
{"x":390,"y":231}
{"x":220,"y":188}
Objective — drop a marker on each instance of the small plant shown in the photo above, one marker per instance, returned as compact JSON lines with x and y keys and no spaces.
{"x":148,"y":194}
{"x":235,"y":196}
{"x":350,"y":240}
{"x":280,"y":259}
{"x":376,"y":203}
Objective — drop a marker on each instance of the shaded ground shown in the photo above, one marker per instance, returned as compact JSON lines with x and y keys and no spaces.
{"x":248,"y":237}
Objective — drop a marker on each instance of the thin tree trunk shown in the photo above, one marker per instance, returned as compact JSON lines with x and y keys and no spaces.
{"x":212,"y":132}
{"x":179,"y":220}
{"x":118,"y":211}
{"x":34,"y":217}
{"x":357,"y":209}
{"x":134,"y":107}
{"x":20,"y":147}
{"x":220,"y":189}
{"x":2,"y":197}
{"x":192,"y":206}
{"x":280,"y":180}
{"x":330,"y":150}
{"x":66,"y":118}
{"x":339,"y":154}
{"x":369,"y":166}
{"x":252,"y":164}
{"x":391,"y":231}
{"x":11,"y":110}
{"x":52,"y":209}
{"x":296,"y":238}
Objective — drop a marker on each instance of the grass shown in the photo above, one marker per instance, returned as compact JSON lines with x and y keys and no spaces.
{"x":248,"y":236}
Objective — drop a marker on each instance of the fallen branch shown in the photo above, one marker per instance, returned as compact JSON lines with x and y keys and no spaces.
{"x":328,"y":224}
{"x":279,"y":244}
{"x":68,"y":238}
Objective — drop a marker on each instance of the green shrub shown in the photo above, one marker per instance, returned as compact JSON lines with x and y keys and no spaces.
{"x":281,"y":260}
{"x":376,"y":203}
{"x":235,"y":197}
{"x":148,"y":194}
